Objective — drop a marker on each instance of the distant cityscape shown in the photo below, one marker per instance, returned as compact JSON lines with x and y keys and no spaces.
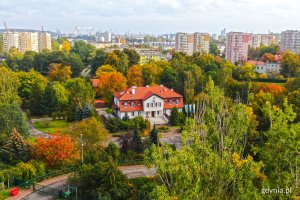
{"x":234,"y":46}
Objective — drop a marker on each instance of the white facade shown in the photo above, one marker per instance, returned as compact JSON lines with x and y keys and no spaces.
{"x":268,"y":68}
{"x":290,"y":40}
{"x":10,"y":39}
{"x":44,"y":41}
{"x":201,"y":42}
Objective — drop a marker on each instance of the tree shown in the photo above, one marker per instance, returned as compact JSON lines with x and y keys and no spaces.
{"x":14,"y":59}
{"x":247,"y":72}
{"x":97,"y":59}
{"x":174,"y":118}
{"x":290,"y":64}
{"x":100,"y":181}
{"x":104,"y":69}
{"x":294,"y":100}
{"x":57,"y":151}
{"x":118,"y":60}
{"x":133,"y":56}
{"x":81,"y":94}
{"x":9,"y":84}
{"x":268,"y":57}
{"x":113,"y":151}
{"x":93,"y":132}
{"x":27,"y":62}
{"x":11,"y":116}
{"x":83,"y":49}
{"x":60,"y":73}
{"x":151,"y":73}
{"x":28,"y":81}
{"x":109,"y":83}
{"x":189,"y":85}
{"x":135,"y":76}
{"x":213,"y":49}
{"x":56,"y":98}
{"x":15,"y":149}
{"x":66,"y":46}
{"x":74,"y":61}
{"x":154,"y":136}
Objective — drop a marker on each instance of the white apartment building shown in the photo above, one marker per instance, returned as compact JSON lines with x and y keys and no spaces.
{"x":264,"y":39}
{"x":44,"y":41}
{"x":10,"y":39}
{"x":184,"y":43}
{"x":28,"y":41}
{"x":290,"y":40}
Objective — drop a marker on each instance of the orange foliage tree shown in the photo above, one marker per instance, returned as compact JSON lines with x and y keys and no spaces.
{"x":135,"y":76}
{"x":56,"y":151}
{"x":274,"y":89}
{"x":109,"y":83}
{"x":268,"y":57}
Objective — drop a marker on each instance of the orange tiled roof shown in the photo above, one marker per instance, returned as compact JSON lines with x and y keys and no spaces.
{"x":255,"y":62}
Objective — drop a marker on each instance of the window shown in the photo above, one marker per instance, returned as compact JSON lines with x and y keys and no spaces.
{"x":139,"y":113}
{"x":170,"y":101}
{"x":147,"y":105}
{"x":159,"y":104}
{"x":132,"y":113}
{"x":177,"y":101}
{"x":125,"y":104}
{"x":155,"y":104}
{"x":151,"y":105}
{"x":132,"y":104}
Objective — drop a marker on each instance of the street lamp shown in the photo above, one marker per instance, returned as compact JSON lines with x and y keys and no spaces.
{"x":81,"y":143}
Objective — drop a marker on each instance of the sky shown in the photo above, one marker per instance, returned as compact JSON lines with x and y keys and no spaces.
{"x":153,"y":16}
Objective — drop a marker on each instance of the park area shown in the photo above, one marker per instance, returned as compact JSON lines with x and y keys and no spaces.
{"x":51,"y":126}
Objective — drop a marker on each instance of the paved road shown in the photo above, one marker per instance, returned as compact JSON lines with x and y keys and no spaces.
{"x":35,"y":132}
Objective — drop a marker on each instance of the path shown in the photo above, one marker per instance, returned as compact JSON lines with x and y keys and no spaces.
{"x":136,"y":171}
{"x":35,"y":132}
{"x":51,"y":181}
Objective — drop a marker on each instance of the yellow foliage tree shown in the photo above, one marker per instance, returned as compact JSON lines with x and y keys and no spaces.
{"x":135,"y":76}
{"x":104,"y":69}
{"x":66,"y":46}
{"x":60,"y":73}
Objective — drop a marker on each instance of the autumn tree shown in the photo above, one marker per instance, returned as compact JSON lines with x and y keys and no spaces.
{"x":189,"y":87}
{"x":135,"y":76}
{"x":290,"y":64}
{"x":118,"y":60}
{"x":294,"y":100}
{"x":109,"y":83}
{"x":66,"y":46}
{"x":58,"y":72}
{"x":151,"y":73}
{"x":97,"y":59}
{"x":247,"y":72}
{"x":268,"y":57}
{"x":14,"y":58}
{"x":90,"y":131}
{"x":57,"y":151}
{"x":104,"y":69}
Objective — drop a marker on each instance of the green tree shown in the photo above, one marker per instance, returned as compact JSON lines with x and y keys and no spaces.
{"x":100,"y":181}
{"x":97,"y":59}
{"x":83,"y":49}
{"x":113,"y":151}
{"x":133,"y":56}
{"x":213,"y":49}
{"x":15,"y":149}
{"x":11,"y":116}
{"x":294,"y":100}
{"x":154,"y":136}
{"x":119,"y":60}
{"x":92,"y":131}
{"x":81,"y":94}
{"x":174,"y":118}
{"x":9,"y":84}
{"x":14,"y":59}
{"x":189,"y":85}
{"x":27,"y":62}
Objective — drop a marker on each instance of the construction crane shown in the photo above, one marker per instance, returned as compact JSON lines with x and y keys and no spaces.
{"x":5,"y":26}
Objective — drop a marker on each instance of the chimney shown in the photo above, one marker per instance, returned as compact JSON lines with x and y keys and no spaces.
{"x":133,"y":91}
{"x":147,"y":85}
{"x":172,"y":89}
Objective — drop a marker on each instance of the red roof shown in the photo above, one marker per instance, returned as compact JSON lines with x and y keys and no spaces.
{"x":143,"y":93}
{"x":255,"y":62}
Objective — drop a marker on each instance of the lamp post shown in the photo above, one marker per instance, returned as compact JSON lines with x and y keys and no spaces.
{"x":81,"y":141}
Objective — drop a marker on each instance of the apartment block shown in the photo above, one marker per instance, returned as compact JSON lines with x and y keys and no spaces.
{"x":201,"y":42}
{"x":237,"y":45}
{"x":264,"y":39}
{"x":44,"y":41}
{"x":290,"y":40}
{"x":191,"y":43}
{"x":10,"y":39}
{"x":28,"y":41}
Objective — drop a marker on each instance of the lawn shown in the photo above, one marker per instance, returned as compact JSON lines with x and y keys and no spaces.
{"x":4,"y":194}
{"x":52,"y":126}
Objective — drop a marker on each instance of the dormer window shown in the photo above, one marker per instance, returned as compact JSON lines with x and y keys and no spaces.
{"x":132,"y":104}
{"x":177,"y":101}
{"x":170,"y":101}
{"x":125,"y":104}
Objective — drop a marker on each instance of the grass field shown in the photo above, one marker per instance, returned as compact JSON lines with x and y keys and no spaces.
{"x":52,"y":126}
{"x":281,"y":84}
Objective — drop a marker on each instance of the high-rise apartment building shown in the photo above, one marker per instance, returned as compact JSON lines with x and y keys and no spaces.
{"x":290,"y":40}
{"x":237,"y":44}
{"x":44,"y":41}
{"x":26,"y":41}
{"x":191,"y":43}
{"x":10,"y":39}
{"x":201,"y":42}
{"x":264,"y":39}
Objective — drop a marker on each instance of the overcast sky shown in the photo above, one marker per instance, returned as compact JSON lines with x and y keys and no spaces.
{"x":153,"y":16}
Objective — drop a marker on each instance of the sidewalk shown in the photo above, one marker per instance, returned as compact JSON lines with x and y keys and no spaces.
{"x":25,"y":192}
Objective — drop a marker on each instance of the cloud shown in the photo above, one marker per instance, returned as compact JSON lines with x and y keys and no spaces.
{"x":153,"y":15}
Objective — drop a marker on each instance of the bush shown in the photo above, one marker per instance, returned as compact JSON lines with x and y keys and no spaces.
{"x":164,"y":129}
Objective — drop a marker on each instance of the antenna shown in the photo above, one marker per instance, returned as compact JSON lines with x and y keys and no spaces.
{"x":6,"y":27}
